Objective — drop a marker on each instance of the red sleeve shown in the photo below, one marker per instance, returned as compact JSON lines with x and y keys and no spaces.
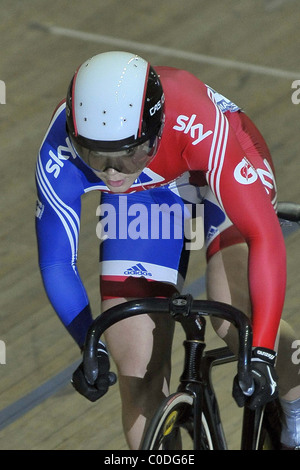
{"x":250,"y":209}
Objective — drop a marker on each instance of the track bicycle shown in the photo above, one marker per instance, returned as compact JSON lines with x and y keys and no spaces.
{"x":193,"y":408}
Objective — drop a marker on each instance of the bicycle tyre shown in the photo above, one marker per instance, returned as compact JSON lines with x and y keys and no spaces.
{"x":174,"y":415}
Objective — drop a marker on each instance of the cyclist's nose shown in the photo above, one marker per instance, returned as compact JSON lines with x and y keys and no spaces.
{"x":110,"y":171}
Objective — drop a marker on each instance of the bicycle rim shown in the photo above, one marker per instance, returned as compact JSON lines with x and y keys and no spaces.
{"x":172,"y":426}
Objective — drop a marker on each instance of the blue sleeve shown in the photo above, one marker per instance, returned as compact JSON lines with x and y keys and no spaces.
{"x":57,"y":228}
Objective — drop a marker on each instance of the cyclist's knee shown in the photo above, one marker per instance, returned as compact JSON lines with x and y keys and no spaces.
{"x":227,"y":277}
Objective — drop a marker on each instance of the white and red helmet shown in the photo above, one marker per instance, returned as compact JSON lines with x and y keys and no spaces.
{"x":114,"y":108}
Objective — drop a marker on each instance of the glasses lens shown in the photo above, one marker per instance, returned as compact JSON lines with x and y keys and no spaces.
{"x":126,"y":161}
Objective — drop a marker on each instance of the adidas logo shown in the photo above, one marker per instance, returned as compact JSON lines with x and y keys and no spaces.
{"x":137,"y":270}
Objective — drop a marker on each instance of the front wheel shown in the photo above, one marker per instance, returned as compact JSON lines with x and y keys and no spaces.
{"x":172,"y":426}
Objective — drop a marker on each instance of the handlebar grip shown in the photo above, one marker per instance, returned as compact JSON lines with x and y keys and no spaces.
{"x":112,"y":378}
{"x":247,"y":390}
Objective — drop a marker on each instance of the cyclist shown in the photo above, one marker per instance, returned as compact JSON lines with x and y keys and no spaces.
{"x":159,"y":141}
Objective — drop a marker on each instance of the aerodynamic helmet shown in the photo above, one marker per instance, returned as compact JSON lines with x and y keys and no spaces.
{"x":114,"y":111}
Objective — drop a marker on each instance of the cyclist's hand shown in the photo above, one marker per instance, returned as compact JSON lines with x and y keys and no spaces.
{"x":264,"y":376}
{"x":103,"y":381}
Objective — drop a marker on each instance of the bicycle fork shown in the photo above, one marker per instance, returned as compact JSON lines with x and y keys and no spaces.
{"x":194,"y":345}
{"x":191,"y":381}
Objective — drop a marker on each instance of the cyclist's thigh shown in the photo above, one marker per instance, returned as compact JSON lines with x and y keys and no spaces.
{"x":141,"y":345}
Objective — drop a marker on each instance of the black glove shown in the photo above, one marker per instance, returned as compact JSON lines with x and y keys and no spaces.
{"x":103,"y":381}
{"x":264,"y":376}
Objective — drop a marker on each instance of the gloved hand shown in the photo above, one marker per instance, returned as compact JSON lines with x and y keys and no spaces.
{"x":264,"y":376}
{"x":103,"y":381}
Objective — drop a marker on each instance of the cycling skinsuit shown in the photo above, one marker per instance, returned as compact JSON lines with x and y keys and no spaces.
{"x":211,"y":154}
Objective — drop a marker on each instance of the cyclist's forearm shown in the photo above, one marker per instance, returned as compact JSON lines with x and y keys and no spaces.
{"x":267,"y":280}
{"x":68,"y":298}
{"x":79,"y":326}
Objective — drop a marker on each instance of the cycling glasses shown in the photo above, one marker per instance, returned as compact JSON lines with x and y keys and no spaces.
{"x":127,"y":161}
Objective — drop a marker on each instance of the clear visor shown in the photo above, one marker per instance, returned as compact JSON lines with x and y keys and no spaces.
{"x":125,"y":161}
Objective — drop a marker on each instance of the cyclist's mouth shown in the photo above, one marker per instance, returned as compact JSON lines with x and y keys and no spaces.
{"x":115,"y":184}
